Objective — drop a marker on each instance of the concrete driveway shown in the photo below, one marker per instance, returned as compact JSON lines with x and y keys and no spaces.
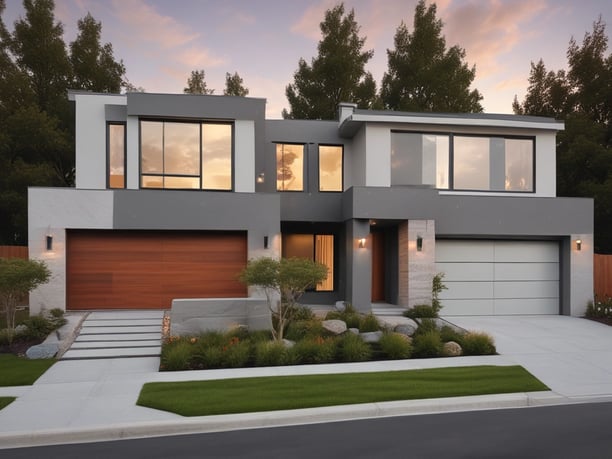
{"x":572,"y":356}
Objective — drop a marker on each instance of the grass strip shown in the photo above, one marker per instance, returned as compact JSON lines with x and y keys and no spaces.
{"x":245,"y":395}
{"x":4,"y":401}
{"x":20,"y":371}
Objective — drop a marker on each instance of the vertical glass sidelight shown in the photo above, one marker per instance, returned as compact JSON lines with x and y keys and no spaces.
{"x":289,"y":167}
{"x":519,"y":165}
{"x":116,"y":155}
{"x":330,"y":168}
{"x":216,"y":156}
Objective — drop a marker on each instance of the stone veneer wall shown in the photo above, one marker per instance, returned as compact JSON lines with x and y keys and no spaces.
{"x":402,"y":264}
{"x":421,"y":265}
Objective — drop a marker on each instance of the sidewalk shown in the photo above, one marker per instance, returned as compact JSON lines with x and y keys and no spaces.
{"x":94,"y":400}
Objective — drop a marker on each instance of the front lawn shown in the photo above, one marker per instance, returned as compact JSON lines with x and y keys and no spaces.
{"x":4,"y":401}
{"x":19,"y":371}
{"x":202,"y":398}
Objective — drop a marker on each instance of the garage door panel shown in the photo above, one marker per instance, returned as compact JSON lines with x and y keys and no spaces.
{"x":135,"y":269}
{"x":466,"y":271}
{"x":526,"y":271}
{"x":526,"y":251}
{"x":467,"y":290}
{"x":543,"y":289}
{"x":459,"y":251}
{"x":467,"y":307}
{"x":526,"y":306}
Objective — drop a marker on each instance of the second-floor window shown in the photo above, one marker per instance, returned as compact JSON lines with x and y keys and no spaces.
{"x":330,"y":168}
{"x":463,"y":162}
{"x":289,"y":167}
{"x":186,"y":155}
{"x":116,"y":155}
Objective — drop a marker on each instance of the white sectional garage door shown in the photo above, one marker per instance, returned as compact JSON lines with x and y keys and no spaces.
{"x":499,"y":277}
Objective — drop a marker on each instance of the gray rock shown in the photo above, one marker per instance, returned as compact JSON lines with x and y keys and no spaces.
{"x":354,"y":331}
{"x":371,"y":337}
{"x":334,"y":326}
{"x":21,"y":328}
{"x":407,"y":328}
{"x":452,"y":349}
{"x":288,"y":343}
{"x":42,"y":351}
{"x":340,"y":306}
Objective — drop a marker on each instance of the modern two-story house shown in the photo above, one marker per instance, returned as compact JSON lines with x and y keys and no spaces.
{"x":174,"y":193}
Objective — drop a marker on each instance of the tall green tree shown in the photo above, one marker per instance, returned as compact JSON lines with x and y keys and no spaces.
{"x":234,"y":86}
{"x":582,"y":97}
{"x":196,"y":83}
{"x":93,"y":65}
{"x":423,"y":75}
{"x":40,"y":53}
{"x":336,"y":75}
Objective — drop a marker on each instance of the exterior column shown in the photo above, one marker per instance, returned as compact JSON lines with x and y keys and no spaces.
{"x":358,"y":265}
{"x":421,"y":262}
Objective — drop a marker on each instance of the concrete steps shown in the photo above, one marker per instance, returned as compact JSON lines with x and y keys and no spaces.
{"x":118,"y":334}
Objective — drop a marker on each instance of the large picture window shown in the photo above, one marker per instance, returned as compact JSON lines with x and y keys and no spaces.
{"x":330,"y":168}
{"x":289,"y":167}
{"x":317,"y":247}
{"x":116,"y":155}
{"x":462,"y":162}
{"x":186,"y":155}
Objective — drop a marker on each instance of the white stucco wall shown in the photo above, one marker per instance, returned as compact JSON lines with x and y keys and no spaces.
{"x":50,"y":212}
{"x":244,"y":156}
{"x":581,"y":281}
{"x":378,"y":156}
{"x":90,"y":138}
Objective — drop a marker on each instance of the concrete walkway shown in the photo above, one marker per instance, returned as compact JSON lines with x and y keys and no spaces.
{"x":95,"y":399}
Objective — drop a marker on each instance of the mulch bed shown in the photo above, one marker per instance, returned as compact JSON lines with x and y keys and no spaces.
{"x":603,"y":320}
{"x":17,"y":347}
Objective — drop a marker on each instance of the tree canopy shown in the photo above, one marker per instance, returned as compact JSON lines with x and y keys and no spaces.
{"x":234,"y":86}
{"x":196,"y":83}
{"x":36,"y":118}
{"x":422,"y":74}
{"x":582,"y":97}
{"x":336,"y":75}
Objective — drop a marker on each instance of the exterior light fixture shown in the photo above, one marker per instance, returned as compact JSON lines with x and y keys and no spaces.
{"x":362,"y":242}
{"x":261,"y":178}
{"x":419,"y":244}
{"x":265,"y":242}
{"x":49,"y":242}
{"x":578,"y":244}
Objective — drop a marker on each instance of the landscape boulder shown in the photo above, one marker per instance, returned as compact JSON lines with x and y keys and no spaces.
{"x":42,"y":351}
{"x":371,"y":337}
{"x":334,"y":326}
{"x":451,"y":349}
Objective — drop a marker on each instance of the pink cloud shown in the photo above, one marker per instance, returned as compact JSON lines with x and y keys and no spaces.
{"x":308,"y":24}
{"x":198,"y":57}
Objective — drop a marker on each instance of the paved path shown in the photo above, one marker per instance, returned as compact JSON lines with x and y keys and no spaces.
{"x":116,"y":334}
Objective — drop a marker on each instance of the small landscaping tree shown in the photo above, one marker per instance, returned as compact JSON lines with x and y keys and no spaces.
{"x":18,"y":277}
{"x":289,"y":278}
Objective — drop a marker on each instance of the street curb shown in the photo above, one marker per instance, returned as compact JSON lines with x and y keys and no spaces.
{"x":221,"y":423}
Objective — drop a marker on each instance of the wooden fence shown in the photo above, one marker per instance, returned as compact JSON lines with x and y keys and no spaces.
{"x":602,"y":275}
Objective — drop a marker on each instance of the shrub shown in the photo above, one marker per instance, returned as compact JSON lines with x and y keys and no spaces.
{"x":601,"y":308}
{"x":301,"y":329}
{"x":270,"y":353}
{"x":235,"y":354}
{"x":314,"y":350}
{"x":38,"y":327}
{"x":395,"y":346}
{"x":177,"y":355}
{"x":349,"y":316}
{"x":258,"y":336}
{"x":369,"y":323}
{"x":299,"y":312}
{"x":450,"y":334}
{"x":208,"y":357}
{"x":427,"y":344}
{"x":421,"y":310}
{"x":351,"y":348}
{"x":425,"y":326}
{"x":478,"y":343}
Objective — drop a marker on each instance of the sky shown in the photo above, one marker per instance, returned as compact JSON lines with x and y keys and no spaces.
{"x":162,"y":41}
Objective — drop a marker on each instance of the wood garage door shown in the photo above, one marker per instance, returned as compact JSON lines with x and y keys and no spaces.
{"x":499,"y":277}
{"x":147,"y":269}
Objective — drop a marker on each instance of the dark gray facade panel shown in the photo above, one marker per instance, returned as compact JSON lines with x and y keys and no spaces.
{"x":196,"y":106}
{"x":116,"y":113}
{"x":464,"y":216}
{"x":317,"y":207}
{"x":188,"y":210}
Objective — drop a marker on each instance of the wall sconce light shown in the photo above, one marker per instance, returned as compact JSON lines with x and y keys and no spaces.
{"x":49,"y":241}
{"x":362,"y":242}
{"x":578,"y":244}
{"x":261,"y":178}
{"x":419,"y":244}
{"x":265,"y":242}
